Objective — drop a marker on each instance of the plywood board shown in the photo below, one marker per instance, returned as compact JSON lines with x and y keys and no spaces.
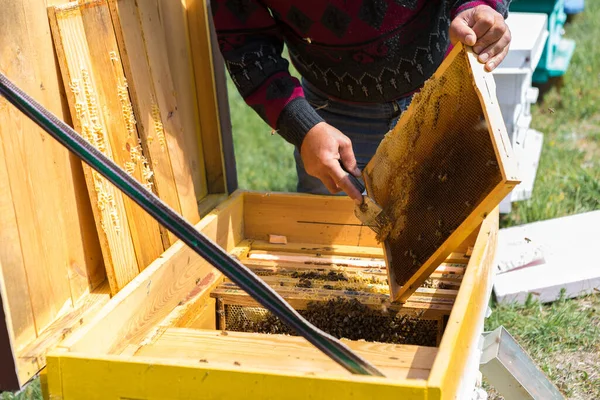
{"x":444,"y":167}
{"x":86,"y":101}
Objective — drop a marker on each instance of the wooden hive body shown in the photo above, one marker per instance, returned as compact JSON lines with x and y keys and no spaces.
{"x":157,"y":333}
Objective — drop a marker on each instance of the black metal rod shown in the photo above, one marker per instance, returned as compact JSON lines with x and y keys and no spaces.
{"x":203,"y":246}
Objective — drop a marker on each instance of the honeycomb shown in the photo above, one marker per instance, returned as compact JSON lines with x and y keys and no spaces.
{"x":431,"y":172}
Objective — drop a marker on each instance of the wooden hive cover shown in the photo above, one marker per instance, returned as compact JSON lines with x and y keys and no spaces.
{"x":148,"y":74}
{"x":443,"y":168}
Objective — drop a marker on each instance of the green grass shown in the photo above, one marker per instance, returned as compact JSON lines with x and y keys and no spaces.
{"x":31,"y":392}
{"x":568,"y":180}
{"x":563,"y":337}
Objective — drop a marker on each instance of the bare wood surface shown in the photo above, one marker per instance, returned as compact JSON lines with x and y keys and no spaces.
{"x":33,"y":357}
{"x":203,"y":63}
{"x":285,"y":353}
{"x":133,"y":54}
{"x":305,"y":219}
{"x":34,"y":164}
{"x":14,"y":289}
{"x":170,"y":138}
{"x":420,"y":304}
{"x":83,"y":95}
{"x":174,"y":28}
{"x":135,"y":311}
{"x":120,"y":124}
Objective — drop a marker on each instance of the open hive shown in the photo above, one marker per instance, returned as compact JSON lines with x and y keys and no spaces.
{"x":160,"y":335}
{"x":344,"y":294}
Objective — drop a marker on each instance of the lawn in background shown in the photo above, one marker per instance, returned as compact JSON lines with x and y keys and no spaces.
{"x":563,"y":337}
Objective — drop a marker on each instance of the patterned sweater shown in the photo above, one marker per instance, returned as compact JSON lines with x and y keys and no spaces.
{"x":365,"y":51}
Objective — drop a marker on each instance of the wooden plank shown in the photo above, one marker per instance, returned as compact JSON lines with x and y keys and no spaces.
{"x":33,"y":357}
{"x":303,"y":218}
{"x":174,"y":27}
{"x":453,"y":170}
{"x":330,"y":249}
{"x":285,"y":353}
{"x":14,"y":289}
{"x":201,"y":315}
{"x":84,"y":95}
{"x":100,"y":377}
{"x":317,"y":260}
{"x":460,"y":340}
{"x":448,"y":271}
{"x":134,"y":311}
{"x":206,"y":89}
{"x":28,"y":158}
{"x":120,"y":124}
{"x":132,"y":49}
{"x":299,"y":298}
{"x":50,"y":257}
{"x":143,"y":51}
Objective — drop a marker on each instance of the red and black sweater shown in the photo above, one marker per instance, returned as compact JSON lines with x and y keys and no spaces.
{"x":366,"y":51}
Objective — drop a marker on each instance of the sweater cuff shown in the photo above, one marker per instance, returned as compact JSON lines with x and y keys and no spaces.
{"x":296,"y":119}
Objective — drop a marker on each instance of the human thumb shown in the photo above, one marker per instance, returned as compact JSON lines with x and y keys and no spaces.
{"x":460,"y":29}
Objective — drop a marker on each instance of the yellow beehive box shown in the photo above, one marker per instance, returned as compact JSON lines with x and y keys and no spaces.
{"x":155,"y":330}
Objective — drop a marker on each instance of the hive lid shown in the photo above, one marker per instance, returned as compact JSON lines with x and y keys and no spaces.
{"x":444,"y":167}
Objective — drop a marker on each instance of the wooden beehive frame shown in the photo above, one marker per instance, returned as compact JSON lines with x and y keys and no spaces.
{"x":166,"y":319}
{"x":444,"y":167}
{"x":363,"y":278}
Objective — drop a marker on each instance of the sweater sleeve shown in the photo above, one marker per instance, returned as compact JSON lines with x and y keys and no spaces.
{"x":251,"y":45}
{"x":499,"y":5}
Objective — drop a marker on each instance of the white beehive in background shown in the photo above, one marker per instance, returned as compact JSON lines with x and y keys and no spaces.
{"x":515,"y":94}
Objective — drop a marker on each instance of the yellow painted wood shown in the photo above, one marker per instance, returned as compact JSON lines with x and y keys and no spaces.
{"x":117,"y":377}
{"x":150,"y":357}
{"x":85,"y":100}
{"x":461,"y":336}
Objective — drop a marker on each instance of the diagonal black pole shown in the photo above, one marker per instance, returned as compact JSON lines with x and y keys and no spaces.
{"x":203,"y":246}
